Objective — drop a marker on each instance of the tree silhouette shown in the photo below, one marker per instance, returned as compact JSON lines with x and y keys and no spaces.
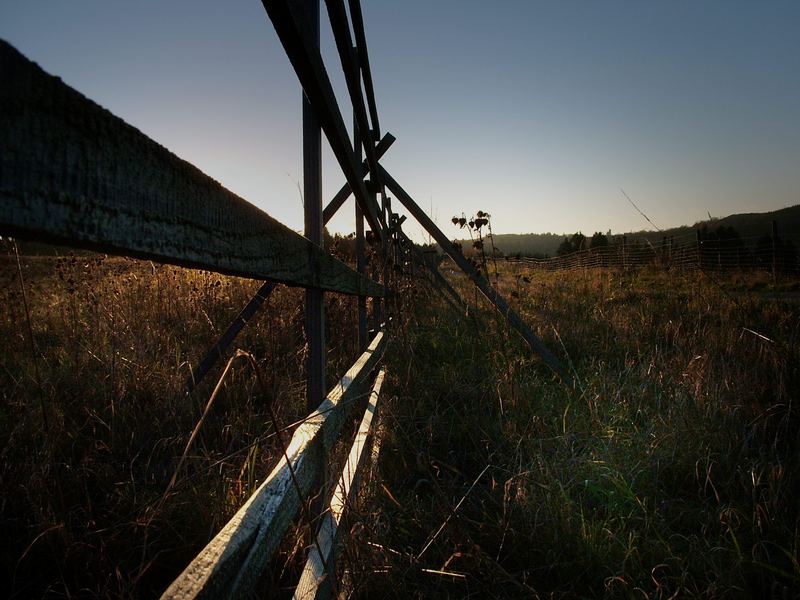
{"x":574,"y":243}
{"x":598,"y":240}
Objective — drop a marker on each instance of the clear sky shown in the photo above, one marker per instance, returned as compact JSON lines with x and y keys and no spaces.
{"x":537,"y":112}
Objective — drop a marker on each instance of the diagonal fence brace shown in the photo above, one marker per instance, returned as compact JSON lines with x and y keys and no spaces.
{"x":484,"y":286}
{"x":217,"y":351}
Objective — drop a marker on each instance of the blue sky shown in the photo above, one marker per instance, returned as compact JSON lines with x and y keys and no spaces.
{"x":537,"y":112}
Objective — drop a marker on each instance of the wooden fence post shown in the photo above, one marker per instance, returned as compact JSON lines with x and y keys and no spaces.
{"x":388,"y":262}
{"x":377,"y":303}
{"x":360,"y":259}
{"x":312,"y":206}
{"x":314,"y":227}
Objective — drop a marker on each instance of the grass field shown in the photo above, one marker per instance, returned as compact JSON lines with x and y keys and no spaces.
{"x":671,"y":471}
{"x":94,"y":417}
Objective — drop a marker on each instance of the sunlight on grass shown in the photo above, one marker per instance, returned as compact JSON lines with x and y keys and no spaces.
{"x":670,"y":472}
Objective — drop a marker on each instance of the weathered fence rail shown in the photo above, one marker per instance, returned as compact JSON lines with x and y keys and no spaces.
{"x":318,"y":577}
{"x":73,"y":173}
{"x":231,"y":563}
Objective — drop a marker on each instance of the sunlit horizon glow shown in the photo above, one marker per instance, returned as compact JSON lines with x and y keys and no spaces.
{"x":535,"y":112}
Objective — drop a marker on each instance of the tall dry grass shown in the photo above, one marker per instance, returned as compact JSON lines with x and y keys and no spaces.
{"x":671,"y":472}
{"x":87,"y":508}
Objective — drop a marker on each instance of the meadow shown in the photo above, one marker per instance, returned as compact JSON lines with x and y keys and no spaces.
{"x":671,"y":471}
{"x":95,"y":416}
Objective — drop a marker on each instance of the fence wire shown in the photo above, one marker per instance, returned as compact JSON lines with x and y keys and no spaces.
{"x":752,"y":253}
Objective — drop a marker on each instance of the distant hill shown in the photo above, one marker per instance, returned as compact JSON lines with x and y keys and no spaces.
{"x":530,"y":244}
{"x":750,"y":227}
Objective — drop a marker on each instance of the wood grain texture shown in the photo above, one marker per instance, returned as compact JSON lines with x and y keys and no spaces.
{"x":229,"y":566}
{"x":73,"y":173}
{"x":315,"y":582}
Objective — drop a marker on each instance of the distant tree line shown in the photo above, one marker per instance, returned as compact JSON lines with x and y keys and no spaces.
{"x":723,"y":248}
{"x":577,"y":242}
{"x":719,"y":247}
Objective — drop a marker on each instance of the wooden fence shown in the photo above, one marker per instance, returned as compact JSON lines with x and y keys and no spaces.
{"x":74,"y":174}
{"x":772,"y":252}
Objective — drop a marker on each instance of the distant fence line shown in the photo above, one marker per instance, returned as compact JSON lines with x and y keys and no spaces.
{"x":776,"y":254}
